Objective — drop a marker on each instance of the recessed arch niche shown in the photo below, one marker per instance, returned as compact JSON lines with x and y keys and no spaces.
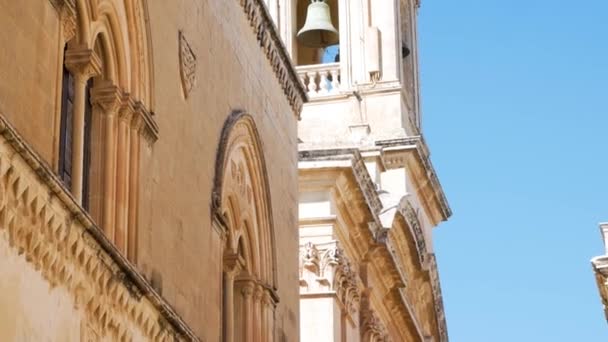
{"x":241,"y":201}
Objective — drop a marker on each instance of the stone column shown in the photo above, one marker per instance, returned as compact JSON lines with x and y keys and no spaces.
{"x":247,"y":319}
{"x":137,"y":124}
{"x":267,"y":317}
{"x":122,"y":173}
{"x":109,"y":97}
{"x":257,"y":318}
{"x":232,"y":267}
{"x":83,"y":63}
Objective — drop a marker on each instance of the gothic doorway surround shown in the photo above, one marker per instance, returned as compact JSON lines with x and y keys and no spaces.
{"x":241,"y":203}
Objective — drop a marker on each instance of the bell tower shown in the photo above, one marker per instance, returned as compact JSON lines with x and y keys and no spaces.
{"x":369,"y":195}
{"x":359,"y":63}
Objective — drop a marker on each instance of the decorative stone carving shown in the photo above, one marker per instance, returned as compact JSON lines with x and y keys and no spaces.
{"x":269,"y":39}
{"x":187,"y":65}
{"x":372,"y":329}
{"x":41,"y":221}
{"x":438,"y":300}
{"x":67,"y":13}
{"x":411,"y":218}
{"x":324,"y":268}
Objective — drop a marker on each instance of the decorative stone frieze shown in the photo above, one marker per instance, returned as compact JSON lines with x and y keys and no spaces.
{"x":42,"y":223}
{"x":269,"y":39}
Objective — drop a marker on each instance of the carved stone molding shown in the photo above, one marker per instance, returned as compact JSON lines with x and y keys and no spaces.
{"x":372,"y":328}
{"x":411,"y":218}
{"x":187,"y":65}
{"x":41,"y":221}
{"x":269,"y":39}
{"x":438,"y":300}
{"x":366,"y":184}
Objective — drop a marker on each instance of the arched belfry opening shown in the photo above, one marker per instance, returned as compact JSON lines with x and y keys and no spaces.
{"x":317,"y":41}
{"x":241,"y":201}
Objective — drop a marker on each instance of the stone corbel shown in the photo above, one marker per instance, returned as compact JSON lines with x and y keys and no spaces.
{"x":83,"y":62}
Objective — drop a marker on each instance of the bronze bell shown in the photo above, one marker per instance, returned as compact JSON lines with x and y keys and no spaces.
{"x":318,"y":31}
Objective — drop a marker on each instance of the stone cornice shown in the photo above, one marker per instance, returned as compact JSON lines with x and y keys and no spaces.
{"x":269,"y":39}
{"x":41,"y":221}
{"x":413,"y":152}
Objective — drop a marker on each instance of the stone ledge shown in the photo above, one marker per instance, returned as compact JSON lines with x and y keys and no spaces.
{"x":41,"y":220}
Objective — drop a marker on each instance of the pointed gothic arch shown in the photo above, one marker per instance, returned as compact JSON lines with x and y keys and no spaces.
{"x":241,"y":199}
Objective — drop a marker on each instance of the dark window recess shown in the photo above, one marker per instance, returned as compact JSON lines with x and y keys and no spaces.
{"x":86,"y":170}
{"x":65,"y":133}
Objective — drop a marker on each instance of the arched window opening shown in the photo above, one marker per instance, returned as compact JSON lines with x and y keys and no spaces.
{"x":65,"y":131}
{"x":104,"y":116}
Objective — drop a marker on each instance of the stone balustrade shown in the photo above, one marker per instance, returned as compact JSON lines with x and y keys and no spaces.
{"x":320,"y":79}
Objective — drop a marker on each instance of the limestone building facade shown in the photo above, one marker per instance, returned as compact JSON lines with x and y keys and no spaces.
{"x":190,"y":170}
{"x":369,"y":195}
{"x":148,"y":172}
{"x":600,"y":270}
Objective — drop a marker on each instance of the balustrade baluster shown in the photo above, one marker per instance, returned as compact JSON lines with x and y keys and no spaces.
{"x":323,"y":82}
{"x":335,"y":82}
{"x":312,"y":82}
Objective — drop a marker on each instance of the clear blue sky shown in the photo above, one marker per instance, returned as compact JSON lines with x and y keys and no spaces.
{"x":515,"y":105}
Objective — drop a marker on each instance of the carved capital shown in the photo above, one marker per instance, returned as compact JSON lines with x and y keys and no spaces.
{"x":233,"y":263}
{"x":108,"y":96}
{"x":127,"y":109}
{"x":247,"y":288}
{"x":83,"y":62}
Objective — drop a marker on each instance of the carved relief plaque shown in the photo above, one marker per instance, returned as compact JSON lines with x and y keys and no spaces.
{"x":187,"y":65}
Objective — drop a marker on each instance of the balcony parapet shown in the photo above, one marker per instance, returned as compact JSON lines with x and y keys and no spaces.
{"x":41,"y":222}
{"x":320,"y":80}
